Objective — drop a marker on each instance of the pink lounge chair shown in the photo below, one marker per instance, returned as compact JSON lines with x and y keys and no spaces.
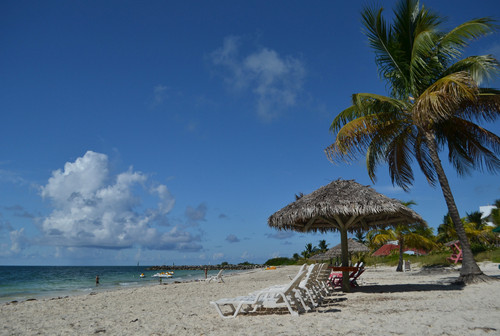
{"x":456,"y":255}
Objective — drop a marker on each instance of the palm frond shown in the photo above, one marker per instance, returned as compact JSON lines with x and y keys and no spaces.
{"x":472,"y":147}
{"x":344,"y":117}
{"x":486,"y":107}
{"x":377,"y":150}
{"x":481,"y":68}
{"x":424,"y":160}
{"x":386,"y":50}
{"x":441,"y":99}
{"x":352,"y":140}
{"x":416,"y":240}
{"x":458,"y":38}
{"x":398,"y":156}
{"x":423,"y":66}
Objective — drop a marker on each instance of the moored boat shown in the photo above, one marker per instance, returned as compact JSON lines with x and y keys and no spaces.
{"x":163,"y":275}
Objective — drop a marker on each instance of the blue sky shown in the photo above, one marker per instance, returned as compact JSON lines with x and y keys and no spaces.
{"x":168,"y":132}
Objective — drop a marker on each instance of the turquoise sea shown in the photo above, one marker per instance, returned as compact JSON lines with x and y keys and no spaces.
{"x":22,"y":283}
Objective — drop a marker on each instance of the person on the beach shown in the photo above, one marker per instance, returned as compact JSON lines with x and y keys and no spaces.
{"x":97,"y":280}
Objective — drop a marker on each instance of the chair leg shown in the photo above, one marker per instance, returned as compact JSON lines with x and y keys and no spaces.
{"x":292,"y":312}
{"x":237,"y":310}
{"x":301,"y":299}
{"x":231,"y":315}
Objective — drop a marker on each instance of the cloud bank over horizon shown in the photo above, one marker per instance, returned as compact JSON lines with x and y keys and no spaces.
{"x":94,"y":208}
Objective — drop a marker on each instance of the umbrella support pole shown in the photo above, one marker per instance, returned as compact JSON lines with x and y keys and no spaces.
{"x":345,"y":259}
{"x":344,"y":249}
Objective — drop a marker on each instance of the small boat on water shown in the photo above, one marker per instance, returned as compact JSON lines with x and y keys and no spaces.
{"x":163,"y":275}
{"x":142,"y":275}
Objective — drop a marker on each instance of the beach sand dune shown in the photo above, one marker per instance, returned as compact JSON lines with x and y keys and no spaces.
{"x":387,"y":303}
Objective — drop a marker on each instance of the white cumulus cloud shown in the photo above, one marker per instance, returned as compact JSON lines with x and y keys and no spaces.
{"x":275,"y":81}
{"x":93,"y":208}
{"x":18,"y":240}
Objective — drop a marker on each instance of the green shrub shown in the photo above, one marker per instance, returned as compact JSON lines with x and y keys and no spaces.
{"x":478,"y":248}
{"x":432,"y":259}
{"x":280,"y":261}
{"x":492,"y":255}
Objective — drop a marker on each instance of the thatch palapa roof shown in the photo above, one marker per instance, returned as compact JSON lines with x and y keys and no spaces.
{"x":352,"y":246}
{"x":342,"y":200}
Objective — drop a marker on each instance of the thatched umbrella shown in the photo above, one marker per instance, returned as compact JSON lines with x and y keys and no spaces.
{"x":346,"y":206}
{"x":352,"y":246}
{"x":336,"y":251}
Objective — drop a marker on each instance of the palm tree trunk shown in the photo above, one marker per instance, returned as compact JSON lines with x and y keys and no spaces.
{"x":470,"y":271}
{"x":400,"y":263}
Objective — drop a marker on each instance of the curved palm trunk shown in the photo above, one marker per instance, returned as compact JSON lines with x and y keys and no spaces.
{"x":400,"y":263}
{"x":470,"y":271}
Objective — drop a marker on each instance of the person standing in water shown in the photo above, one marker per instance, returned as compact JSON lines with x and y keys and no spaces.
{"x":97,"y":280}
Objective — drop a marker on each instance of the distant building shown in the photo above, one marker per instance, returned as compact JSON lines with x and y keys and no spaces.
{"x":486,"y":213}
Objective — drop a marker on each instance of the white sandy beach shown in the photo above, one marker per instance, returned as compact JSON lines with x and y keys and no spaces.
{"x":387,"y":303}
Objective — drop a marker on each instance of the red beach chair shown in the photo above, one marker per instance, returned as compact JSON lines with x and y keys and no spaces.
{"x":336,"y":281}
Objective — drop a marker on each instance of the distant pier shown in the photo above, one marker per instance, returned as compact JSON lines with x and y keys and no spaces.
{"x":203,"y":267}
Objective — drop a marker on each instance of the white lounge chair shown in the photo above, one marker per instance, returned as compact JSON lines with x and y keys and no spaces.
{"x":217,"y":277}
{"x":306,"y":287}
{"x":406,"y":266}
{"x":322,"y":279}
{"x":281,"y":297}
{"x":302,"y":268}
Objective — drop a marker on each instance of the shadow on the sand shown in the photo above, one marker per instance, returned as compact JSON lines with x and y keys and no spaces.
{"x":328,"y":304}
{"x":407,"y":288}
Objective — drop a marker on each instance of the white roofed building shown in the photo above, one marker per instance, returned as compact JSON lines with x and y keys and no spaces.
{"x":486,"y":213}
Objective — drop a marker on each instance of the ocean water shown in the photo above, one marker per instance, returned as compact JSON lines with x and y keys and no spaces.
{"x":21,"y":283}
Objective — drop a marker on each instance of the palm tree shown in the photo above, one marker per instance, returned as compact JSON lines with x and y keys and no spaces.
{"x":378,"y":237}
{"x":308,"y":251}
{"x":495,"y":213}
{"x":322,"y":246}
{"x":359,"y":236}
{"x":477,"y":230}
{"x":446,"y":230}
{"x":411,"y":237}
{"x":434,"y":100}
{"x":415,"y":236}
{"x":476,"y":219}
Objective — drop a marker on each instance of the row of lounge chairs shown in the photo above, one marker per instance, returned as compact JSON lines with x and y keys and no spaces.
{"x":305,"y":292}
